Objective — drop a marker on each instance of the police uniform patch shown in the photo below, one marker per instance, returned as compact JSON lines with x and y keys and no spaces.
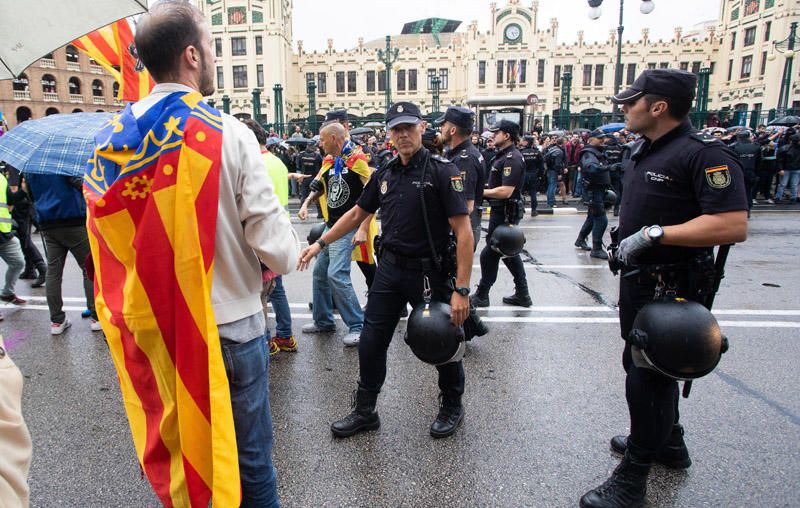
{"x":718,"y":177}
{"x":384,"y":187}
{"x":507,"y":171}
{"x":456,"y":183}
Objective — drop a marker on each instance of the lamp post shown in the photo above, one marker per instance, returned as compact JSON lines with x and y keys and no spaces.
{"x":226,"y":104}
{"x":388,"y":56}
{"x":435,"y":84}
{"x":311,"y":88}
{"x":646,"y":7}
{"x":278,"y":89}
{"x":566,"y":98}
{"x":257,"y":105}
{"x":786,"y":47}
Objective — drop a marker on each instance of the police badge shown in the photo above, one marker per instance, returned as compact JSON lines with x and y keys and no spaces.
{"x":457,"y":184}
{"x":384,"y":187}
{"x":718,"y":177}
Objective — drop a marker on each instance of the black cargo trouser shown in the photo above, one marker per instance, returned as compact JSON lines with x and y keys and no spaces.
{"x":490,"y":260}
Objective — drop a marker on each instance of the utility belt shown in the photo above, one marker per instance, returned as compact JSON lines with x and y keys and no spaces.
{"x":418,"y":264}
{"x":695,"y":279}
{"x":513,"y":208}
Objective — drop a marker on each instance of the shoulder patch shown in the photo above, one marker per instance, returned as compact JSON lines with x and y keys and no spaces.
{"x":510,"y":155}
{"x":704,"y":138}
{"x":718,"y":177}
{"x":464,"y":154}
{"x":507,"y":171}
{"x":457,"y":183}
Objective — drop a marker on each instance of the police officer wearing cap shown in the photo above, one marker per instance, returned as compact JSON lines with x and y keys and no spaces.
{"x":750,"y":156}
{"x":534,"y":166}
{"x":684,"y":194}
{"x":309,"y":162}
{"x":408,"y":266}
{"x":615,"y":153}
{"x":596,"y":179}
{"x":504,"y":192}
{"x":338,"y":115}
{"x":456,"y":127}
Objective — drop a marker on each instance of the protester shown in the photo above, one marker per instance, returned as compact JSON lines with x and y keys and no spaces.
{"x":15,"y":441}
{"x":10,"y":250}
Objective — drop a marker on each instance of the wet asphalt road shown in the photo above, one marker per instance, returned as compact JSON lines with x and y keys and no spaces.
{"x":544,"y":395}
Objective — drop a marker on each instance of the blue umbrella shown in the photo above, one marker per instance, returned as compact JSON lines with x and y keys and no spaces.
{"x":612,"y":127}
{"x":54,"y":145}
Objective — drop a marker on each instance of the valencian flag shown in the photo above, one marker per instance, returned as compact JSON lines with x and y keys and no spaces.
{"x":112,"y":47}
{"x":352,"y":159}
{"x":152,"y":189}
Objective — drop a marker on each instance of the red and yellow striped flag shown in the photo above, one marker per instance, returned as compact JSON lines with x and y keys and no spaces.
{"x":112,"y":47}
{"x":152,"y":190}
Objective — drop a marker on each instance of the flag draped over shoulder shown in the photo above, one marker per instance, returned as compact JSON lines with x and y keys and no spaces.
{"x":355,"y":161}
{"x":112,"y":47}
{"x":152,"y":189}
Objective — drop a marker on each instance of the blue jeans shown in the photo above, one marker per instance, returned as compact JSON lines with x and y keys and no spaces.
{"x":552,"y":186}
{"x":790,"y":178}
{"x":332,"y":283}
{"x":11,"y":253}
{"x":280,"y":306}
{"x":577,"y":189}
{"x":247,"y":366}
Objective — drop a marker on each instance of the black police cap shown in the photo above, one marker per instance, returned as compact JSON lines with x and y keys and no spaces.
{"x":506,"y":126}
{"x":597,"y":133}
{"x":402,"y":112}
{"x":429,"y":134}
{"x":671,"y":83}
{"x":458,"y":116}
{"x":338,"y":115}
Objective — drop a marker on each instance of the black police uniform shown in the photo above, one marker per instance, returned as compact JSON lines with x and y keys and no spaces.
{"x":749,"y":154}
{"x":596,"y":179}
{"x":406,"y":257}
{"x":680,"y":176}
{"x":309,"y":162}
{"x":508,"y":169}
{"x":469,"y":162}
{"x":614,"y":152}
{"x":534,"y":165}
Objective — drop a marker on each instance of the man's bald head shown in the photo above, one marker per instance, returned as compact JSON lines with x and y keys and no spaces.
{"x":332,"y":138}
{"x":164,"y":33}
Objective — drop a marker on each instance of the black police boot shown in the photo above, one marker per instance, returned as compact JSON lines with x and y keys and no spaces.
{"x":451,"y":412}
{"x":581,"y":244}
{"x":673,"y":454}
{"x":39,"y":282}
{"x":521,"y":297}
{"x":627,"y":486}
{"x":29,"y":273}
{"x":616,"y":211}
{"x":598,"y":251}
{"x":362,"y":418}
{"x":481,"y":296}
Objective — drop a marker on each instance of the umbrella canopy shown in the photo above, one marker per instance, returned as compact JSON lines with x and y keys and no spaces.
{"x":581,"y":130}
{"x":34,"y":28}
{"x":374,"y":124}
{"x":55,"y":144}
{"x":788,"y":121}
{"x":556,"y":133}
{"x":361,"y":130}
{"x":612,"y":127}
{"x":299,"y":141}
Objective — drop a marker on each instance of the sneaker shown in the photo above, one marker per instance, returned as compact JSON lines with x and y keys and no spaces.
{"x":95,"y":325}
{"x":771,"y":201}
{"x":13,"y":299}
{"x":284,"y":344}
{"x":755,"y":202}
{"x":313,"y":328}
{"x":58,"y":328}
{"x":351,"y":339}
{"x":273,"y":348}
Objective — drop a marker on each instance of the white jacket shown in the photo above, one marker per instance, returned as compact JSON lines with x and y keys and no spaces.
{"x":15,"y":442}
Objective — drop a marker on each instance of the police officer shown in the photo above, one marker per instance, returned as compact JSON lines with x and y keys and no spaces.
{"x":309,"y":162}
{"x":504,"y":192}
{"x":684,"y":194}
{"x":750,"y":156}
{"x":534,"y":165}
{"x":614,"y":152}
{"x":407,"y":264}
{"x":456,"y":127}
{"x":596,"y":179}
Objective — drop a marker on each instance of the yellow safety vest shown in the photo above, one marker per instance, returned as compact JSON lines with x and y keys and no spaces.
{"x":5,"y":213}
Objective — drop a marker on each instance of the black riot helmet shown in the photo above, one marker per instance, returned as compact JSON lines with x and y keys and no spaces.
{"x":315,"y":233}
{"x":679,"y":338}
{"x":432,"y":336}
{"x":507,"y":240}
{"x":609,"y":198}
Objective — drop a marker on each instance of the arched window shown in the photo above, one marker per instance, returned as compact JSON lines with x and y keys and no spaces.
{"x":23,"y":114}
{"x":21,"y":83}
{"x":72,"y":54}
{"x":48,"y":84}
{"x":115,"y":89}
{"x":51,"y":111}
{"x":97,"y":88}
{"x":77,"y":110}
{"x":74,"y":86}
{"x":99,"y":111}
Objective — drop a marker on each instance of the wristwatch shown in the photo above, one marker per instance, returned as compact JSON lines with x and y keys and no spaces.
{"x":322,"y":243}
{"x":462,"y":291}
{"x":655,"y":233}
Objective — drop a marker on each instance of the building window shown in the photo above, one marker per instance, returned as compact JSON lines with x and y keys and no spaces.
{"x":237,"y":16}
{"x":747,"y":66}
{"x":568,"y":69}
{"x":664,"y":65}
{"x":239,"y":76}
{"x":370,"y":81}
{"x":412,"y":79}
{"x":259,"y":45}
{"x":733,"y":40}
{"x":339,"y":81}
{"x":750,"y":36}
{"x":309,"y":77}
{"x":431,"y":75}
{"x":523,"y":71}
{"x":259,"y":75}
{"x":556,"y":75}
{"x":218,"y":47}
{"x":97,"y":88}
{"x":763,"y":63}
{"x":382,"y":80}
{"x":684,"y":66}
{"x":767,"y":30}
{"x":238,"y":46}
{"x":351,"y":81}
{"x":631,"y":74}
{"x":651,"y":66}
{"x":712,"y":67}
{"x":499,"y":72}
{"x":72,"y":54}
{"x":74,"y":85}
{"x":587,"y":74}
{"x":220,"y":78}
{"x":540,"y":71}
{"x":511,"y":71}
{"x":48,"y":84}
{"x":444,"y":78}
{"x":20,"y":84}
{"x":598,"y":74}
{"x":322,"y":82}
{"x":730,"y":69}
{"x":401,"y":80}
{"x":482,"y":72}
{"x":696,"y":67}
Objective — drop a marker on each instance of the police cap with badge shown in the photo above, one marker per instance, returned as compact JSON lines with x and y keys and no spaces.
{"x":337,"y":115}
{"x":403,"y":113}
{"x":507,"y":126}
{"x":672,"y":83}
{"x":458,"y":116}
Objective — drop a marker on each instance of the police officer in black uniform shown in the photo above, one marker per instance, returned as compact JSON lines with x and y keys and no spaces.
{"x":596,"y":179}
{"x":309,"y":162}
{"x":614,"y":152}
{"x":684,"y":194}
{"x":534,"y":166}
{"x":407,"y":264}
{"x":749,"y":154}
{"x":456,"y":127}
{"x":504,"y":192}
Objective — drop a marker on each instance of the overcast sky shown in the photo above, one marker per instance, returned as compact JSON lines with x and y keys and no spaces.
{"x":346,"y":20}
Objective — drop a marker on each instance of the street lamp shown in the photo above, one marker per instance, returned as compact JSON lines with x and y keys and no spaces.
{"x":311,"y":89}
{"x":646,"y":7}
{"x":435,"y":83}
{"x":786,"y":46}
{"x":388,"y":56}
